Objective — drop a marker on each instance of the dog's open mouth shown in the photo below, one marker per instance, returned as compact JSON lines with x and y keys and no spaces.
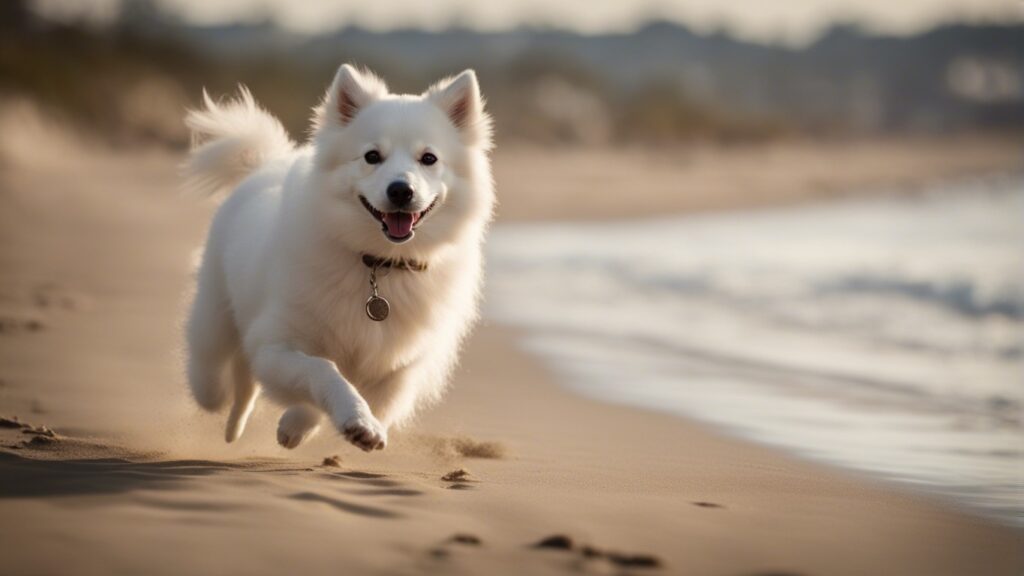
{"x":397,"y":226}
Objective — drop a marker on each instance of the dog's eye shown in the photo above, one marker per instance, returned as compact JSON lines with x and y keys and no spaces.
{"x":428,"y":159}
{"x":372,"y":157}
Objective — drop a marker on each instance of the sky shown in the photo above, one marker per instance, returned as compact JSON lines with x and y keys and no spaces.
{"x":786,"y":21}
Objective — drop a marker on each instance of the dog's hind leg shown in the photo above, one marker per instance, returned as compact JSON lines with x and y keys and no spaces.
{"x":245,"y":397}
{"x":298,"y":424}
{"x":211,"y":340}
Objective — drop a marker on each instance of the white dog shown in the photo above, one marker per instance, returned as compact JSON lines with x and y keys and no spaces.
{"x":342,"y":275}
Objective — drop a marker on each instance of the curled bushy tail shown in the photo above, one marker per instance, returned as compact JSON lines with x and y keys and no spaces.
{"x":229,"y":141}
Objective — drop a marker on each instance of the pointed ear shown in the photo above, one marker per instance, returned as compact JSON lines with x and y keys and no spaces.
{"x":351,"y":91}
{"x":459,"y":98}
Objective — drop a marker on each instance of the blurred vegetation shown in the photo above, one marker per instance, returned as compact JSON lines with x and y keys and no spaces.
{"x":95,"y":78}
{"x":661,"y":113}
{"x":131,"y":80}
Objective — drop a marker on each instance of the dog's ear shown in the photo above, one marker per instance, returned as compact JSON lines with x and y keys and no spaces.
{"x":459,"y":97}
{"x":351,"y":91}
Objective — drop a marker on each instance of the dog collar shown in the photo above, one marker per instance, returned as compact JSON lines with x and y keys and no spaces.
{"x":377,"y":307}
{"x":374,"y":262}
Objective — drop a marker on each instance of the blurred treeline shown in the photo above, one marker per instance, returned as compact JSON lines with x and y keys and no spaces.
{"x":131,"y":79}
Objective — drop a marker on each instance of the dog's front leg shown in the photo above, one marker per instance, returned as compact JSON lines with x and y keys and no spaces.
{"x":301,"y":377}
{"x":395,"y":398}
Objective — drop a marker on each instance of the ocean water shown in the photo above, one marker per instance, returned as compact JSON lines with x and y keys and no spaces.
{"x":883,"y":334}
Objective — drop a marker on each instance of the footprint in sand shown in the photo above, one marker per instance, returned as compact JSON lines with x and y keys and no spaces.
{"x":466,"y":539}
{"x":624,"y":560}
{"x":556,"y":542}
{"x":39,"y":442}
{"x":462,"y":539}
{"x":11,"y":422}
{"x":460,"y":479}
{"x":15,"y":324}
{"x":53,"y":296}
{"x":42,"y":436}
{"x":460,"y":475}
{"x":634,"y":560}
{"x":439,"y":553}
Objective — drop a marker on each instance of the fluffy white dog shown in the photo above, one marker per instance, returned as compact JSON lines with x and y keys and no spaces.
{"x":341,"y":275}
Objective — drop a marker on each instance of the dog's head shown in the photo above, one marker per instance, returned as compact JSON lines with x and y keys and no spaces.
{"x":403,"y":175}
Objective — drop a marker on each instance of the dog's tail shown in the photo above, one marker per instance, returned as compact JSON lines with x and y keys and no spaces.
{"x":229,"y":141}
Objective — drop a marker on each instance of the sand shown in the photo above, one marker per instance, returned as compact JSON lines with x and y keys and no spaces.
{"x":94,"y":252}
{"x":548,"y":183}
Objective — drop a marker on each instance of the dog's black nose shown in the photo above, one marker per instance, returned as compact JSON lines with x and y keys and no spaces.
{"x":400,"y":193}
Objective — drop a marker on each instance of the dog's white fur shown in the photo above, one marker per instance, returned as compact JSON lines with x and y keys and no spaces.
{"x":281,"y":288}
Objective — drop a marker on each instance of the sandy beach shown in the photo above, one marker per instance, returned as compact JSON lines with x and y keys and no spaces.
{"x":95,"y":247}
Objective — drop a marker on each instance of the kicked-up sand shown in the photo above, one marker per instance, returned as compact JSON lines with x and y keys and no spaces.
{"x":106,"y":467}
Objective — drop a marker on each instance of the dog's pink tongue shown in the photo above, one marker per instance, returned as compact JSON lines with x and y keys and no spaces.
{"x":399,"y":223}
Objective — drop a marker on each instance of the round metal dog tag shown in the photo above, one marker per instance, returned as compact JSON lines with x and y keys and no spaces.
{"x":377,"y":308}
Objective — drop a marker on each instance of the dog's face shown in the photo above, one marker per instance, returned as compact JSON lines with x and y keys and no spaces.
{"x":403,"y":174}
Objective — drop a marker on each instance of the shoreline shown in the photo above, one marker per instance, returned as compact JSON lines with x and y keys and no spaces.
{"x":602,"y":279}
{"x":913,"y":489}
{"x":91,"y":312}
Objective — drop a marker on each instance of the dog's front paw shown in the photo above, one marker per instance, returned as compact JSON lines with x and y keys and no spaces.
{"x":365,"y":432}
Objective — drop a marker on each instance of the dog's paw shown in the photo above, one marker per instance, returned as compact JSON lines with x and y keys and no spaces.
{"x":288,"y":439}
{"x":365,"y":432}
{"x":297,"y":424}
